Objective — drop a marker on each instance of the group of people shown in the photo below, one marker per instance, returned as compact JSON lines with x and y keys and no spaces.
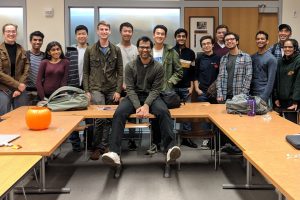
{"x":134,"y":77}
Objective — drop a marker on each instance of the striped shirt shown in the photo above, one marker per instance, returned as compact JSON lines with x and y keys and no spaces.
{"x":241,"y":78}
{"x":35,"y":61}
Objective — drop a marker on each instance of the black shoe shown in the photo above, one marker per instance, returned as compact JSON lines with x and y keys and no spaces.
{"x":231,"y":150}
{"x":131,"y":145}
{"x":188,"y":143}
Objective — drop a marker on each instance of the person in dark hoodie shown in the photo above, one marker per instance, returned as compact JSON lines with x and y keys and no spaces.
{"x":287,"y":88}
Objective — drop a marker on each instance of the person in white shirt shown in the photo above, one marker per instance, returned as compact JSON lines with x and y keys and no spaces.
{"x":129,"y":53}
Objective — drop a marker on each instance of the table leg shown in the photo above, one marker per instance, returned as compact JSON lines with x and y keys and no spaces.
{"x":167,"y":171}
{"x":11,"y":195}
{"x":249,"y":185}
{"x":42,"y":187}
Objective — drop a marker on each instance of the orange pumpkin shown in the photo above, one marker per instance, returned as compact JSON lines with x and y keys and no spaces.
{"x":38,"y":118}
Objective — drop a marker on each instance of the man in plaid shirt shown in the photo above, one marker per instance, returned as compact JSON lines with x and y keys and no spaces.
{"x":235,"y":70}
{"x":284,"y":33}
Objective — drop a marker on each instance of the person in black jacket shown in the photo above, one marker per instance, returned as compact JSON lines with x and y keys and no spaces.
{"x":287,"y":88}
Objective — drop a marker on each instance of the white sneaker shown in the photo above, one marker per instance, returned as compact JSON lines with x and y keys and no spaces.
{"x":173,"y":154}
{"x":111,"y":158}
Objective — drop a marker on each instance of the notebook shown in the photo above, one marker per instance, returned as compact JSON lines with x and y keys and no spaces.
{"x":7,"y":138}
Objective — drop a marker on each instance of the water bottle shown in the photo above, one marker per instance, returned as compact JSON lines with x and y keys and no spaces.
{"x":251,"y":106}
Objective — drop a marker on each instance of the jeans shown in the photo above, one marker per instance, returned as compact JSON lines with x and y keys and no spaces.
{"x":157,"y":108}
{"x":7,"y":101}
{"x":102,"y":126}
{"x":186,"y":97}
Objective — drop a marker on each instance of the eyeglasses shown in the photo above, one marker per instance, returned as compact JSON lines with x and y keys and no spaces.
{"x":229,"y":39}
{"x":144,"y":48}
{"x":10,"y":31}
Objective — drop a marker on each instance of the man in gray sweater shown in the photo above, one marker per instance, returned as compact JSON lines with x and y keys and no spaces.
{"x":264,"y":68}
{"x":144,"y":78}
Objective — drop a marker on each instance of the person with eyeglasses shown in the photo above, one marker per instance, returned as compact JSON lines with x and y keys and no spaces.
{"x":235,"y":75}
{"x":14,"y":67}
{"x":144,"y":78}
{"x":287,"y":87}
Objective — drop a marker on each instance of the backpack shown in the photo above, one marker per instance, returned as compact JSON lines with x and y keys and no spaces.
{"x":239,"y":105}
{"x":66,"y":98}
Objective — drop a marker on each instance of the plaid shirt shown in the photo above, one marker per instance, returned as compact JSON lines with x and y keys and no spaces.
{"x":277,"y":51}
{"x":242,"y":75}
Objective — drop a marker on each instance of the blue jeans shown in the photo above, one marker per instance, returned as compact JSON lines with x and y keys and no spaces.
{"x":7,"y":101}
{"x":184,"y":95}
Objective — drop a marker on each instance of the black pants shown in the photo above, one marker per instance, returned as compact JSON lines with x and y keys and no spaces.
{"x":158,"y":108}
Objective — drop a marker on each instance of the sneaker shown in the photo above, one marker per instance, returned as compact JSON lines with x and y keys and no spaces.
{"x":205,"y":144}
{"x":152,"y":150}
{"x":173,"y":154}
{"x":111,"y":158}
{"x":131,"y":145}
{"x":188,"y":143}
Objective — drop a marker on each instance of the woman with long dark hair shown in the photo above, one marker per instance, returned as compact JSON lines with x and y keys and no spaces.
{"x":53,"y":71}
{"x":287,"y":89}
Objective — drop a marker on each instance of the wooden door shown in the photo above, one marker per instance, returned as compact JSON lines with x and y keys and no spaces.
{"x":268,"y":22}
{"x":244,"y":22}
{"x":247,"y":22}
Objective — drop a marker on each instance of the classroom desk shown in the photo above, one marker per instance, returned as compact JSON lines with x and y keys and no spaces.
{"x":248,"y":133}
{"x":279,"y":168}
{"x":188,"y":110}
{"x":13,"y":169}
{"x":255,"y":133}
{"x":42,"y":143}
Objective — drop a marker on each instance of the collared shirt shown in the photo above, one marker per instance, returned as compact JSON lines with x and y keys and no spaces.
{"x":276,"y":50}
{"x":242,"y":75}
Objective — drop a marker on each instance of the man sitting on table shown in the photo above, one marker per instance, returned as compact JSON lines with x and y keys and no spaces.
{"x":144,"y":78}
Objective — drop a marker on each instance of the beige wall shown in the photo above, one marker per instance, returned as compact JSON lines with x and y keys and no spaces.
{"x":288,"y":9}
{"x":52,"y":27}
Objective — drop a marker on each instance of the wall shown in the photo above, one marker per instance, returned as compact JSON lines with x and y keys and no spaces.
{"x":37,"y":21}
{"x":52,"y":27}
{"x":288,"y":8}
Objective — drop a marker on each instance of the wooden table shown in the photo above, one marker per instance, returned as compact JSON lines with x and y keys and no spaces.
{"x":253,"y":134}
{"x":42,"y":143}
{"x":13,"y":169}
{"x":189,"y":110}
{"x":280,"y":169}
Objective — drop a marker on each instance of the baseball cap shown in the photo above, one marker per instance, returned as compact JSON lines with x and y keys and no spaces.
{"x":282,"y":26}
